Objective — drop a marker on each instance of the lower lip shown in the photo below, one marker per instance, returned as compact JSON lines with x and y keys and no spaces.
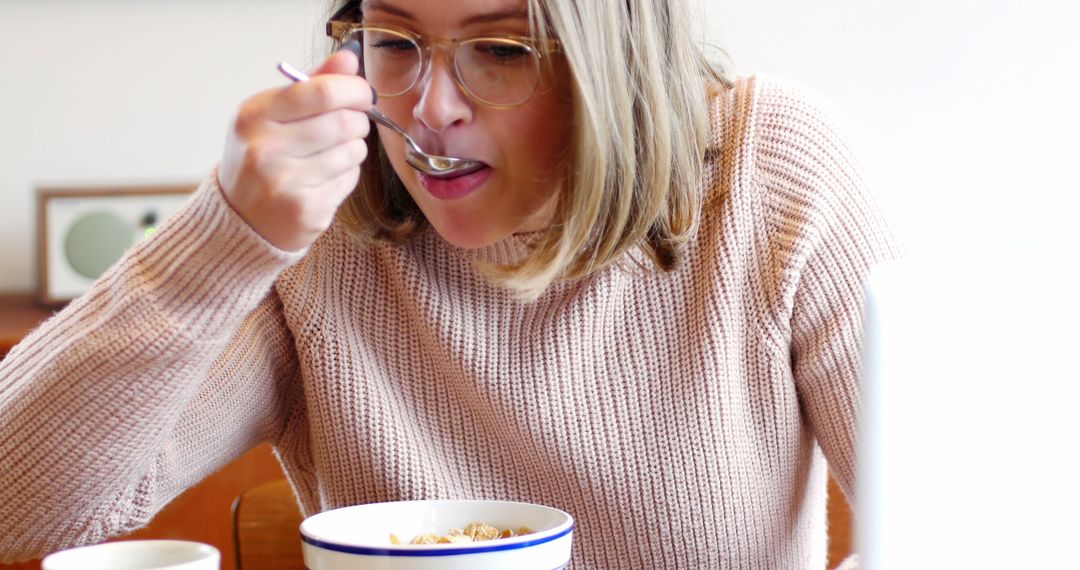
{"x":453,"y":188}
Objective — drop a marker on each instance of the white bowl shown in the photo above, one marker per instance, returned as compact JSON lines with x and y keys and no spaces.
{"x":137,"y":555}
{"x":358,"y":538}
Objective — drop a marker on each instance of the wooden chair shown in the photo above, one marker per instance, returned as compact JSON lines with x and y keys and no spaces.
{"x":266,"y":526}
{"x":841,"y":525}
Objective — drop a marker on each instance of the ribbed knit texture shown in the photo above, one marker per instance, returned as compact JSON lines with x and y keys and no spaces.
{"x":684,"y":419}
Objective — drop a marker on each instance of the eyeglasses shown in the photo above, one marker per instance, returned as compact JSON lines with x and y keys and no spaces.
{"x":499,"y":70}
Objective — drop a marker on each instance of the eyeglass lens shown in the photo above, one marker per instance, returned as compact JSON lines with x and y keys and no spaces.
{"x":498,"y":71}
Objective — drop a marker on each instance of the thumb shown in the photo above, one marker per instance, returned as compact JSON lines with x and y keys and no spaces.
{"x":345,"y":61}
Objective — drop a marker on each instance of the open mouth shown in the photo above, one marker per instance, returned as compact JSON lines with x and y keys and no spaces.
{"x":456,"y":185}
{"x":452,"y":175}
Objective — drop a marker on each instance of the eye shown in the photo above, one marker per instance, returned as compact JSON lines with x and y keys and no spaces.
{"x":394,"y":45}
{"x":501,"y":52}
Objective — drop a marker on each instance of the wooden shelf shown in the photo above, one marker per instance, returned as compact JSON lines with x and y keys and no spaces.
{"x":19,"y":314}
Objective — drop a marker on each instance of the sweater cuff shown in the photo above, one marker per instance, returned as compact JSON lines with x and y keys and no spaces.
{"x":206,"y":261}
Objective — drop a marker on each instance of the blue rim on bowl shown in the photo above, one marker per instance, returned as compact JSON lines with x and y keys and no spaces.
{"x":407,"y":551}
{"x":410,"y":550}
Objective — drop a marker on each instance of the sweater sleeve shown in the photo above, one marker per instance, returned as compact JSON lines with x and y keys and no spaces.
{"x":829,"y":231}
{"x":176,"y":361}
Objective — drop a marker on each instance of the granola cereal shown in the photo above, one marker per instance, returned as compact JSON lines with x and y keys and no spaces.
{"x":473,"y":532}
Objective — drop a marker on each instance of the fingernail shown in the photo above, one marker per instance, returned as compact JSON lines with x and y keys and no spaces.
{"x":353,"y":46}
{"x":374,"y":96}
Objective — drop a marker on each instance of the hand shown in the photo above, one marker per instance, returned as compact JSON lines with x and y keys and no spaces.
{"x":293,"y":153}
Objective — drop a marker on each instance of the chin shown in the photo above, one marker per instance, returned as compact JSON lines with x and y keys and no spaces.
{"x":465,"y":238}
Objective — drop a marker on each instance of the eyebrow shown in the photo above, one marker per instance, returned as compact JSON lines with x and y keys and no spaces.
{"x":484,"y":18}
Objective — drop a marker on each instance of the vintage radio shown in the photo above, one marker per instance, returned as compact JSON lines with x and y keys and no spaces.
{"x":84,"y":231}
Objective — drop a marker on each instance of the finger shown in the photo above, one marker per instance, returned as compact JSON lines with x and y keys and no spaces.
{"x":331,"y":193}
{"x":316,"y":134}
{"x":331,"y":163}
{"x":344,"y":184}
{"x":345,"y":61}
{"x":320,"y":94}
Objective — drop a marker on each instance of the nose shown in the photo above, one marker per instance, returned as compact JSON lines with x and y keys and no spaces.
{"x":441,"y":104}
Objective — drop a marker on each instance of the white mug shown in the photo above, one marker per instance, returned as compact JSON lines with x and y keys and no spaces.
{"x":137,"y":555}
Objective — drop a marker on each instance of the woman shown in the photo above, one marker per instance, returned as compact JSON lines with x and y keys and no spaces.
{"x":643,"y":308}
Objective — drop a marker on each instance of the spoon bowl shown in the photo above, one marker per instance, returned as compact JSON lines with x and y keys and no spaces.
{"x":430,"y":164}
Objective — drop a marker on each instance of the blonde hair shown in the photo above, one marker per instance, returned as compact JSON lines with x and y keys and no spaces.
{"x":640,"y":127}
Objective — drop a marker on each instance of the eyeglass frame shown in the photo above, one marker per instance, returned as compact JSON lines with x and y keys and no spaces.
{"x":350,"y":18}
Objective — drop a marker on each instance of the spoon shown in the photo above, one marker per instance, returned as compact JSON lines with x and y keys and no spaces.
{"x":432,"y":165}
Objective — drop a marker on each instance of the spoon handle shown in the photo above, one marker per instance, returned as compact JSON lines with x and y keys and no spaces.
{"x":382,"y":119}
{"x":297,"y":75}
{"x":291,"y":72}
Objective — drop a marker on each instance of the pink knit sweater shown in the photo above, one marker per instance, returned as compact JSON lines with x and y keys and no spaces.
{"x":684,"y":419}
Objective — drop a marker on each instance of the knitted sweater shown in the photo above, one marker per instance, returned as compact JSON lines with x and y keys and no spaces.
{"x":684,"y":419}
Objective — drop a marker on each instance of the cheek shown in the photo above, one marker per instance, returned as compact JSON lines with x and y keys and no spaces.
{"x":540,"y":140}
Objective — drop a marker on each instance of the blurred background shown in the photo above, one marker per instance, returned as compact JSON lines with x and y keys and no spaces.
{"x":963,"y":112}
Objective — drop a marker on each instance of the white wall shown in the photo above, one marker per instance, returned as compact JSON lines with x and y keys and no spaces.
{"x":966,"y":111}
{"x":963,"y":111}
{"x":128,"y":92}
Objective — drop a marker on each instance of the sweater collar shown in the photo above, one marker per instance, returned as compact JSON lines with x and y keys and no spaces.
{"x":509,"y":250}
